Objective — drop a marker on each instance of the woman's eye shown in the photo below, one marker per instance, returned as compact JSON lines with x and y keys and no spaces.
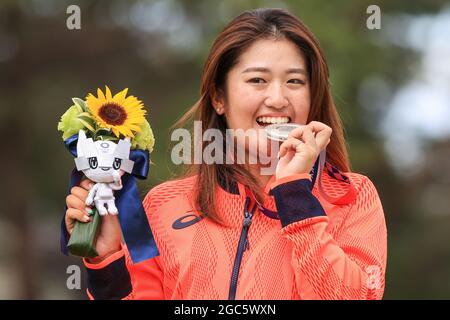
{"x":116,"y":164}
{"x":256,"y":80}
{"x":93,"y":162}
{"x":296,"y":81}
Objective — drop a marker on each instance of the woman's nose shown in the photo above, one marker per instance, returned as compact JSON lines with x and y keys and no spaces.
{"x":276,"y":97}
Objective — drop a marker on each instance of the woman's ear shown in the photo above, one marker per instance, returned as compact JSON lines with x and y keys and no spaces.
{"x":218,"y":102}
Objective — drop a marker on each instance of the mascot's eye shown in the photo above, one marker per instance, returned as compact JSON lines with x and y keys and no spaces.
{"x":116,"y":164}
{"x":93,"y":162}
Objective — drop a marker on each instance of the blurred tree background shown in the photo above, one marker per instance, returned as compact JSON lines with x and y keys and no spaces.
{"x":390,"y":85}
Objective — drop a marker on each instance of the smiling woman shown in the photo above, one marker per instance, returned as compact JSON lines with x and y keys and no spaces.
{"x":267,"y":84}
{"x":225,"y":230}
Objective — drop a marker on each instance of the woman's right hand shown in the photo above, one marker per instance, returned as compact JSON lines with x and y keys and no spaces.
{"x":109,"y":237}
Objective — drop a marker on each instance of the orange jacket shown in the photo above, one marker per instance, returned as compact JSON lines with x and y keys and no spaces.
{"x":316,"y":250}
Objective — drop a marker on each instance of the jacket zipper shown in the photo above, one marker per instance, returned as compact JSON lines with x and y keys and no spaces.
{"x":242,"y":246}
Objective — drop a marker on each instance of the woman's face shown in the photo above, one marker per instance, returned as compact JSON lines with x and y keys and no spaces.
{"x":269,"y":84}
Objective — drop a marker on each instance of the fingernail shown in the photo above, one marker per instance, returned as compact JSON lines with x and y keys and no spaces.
{"x":87,"y":219}
{"x":88,"y":210}
{"x":278,"y":155}
{"x":90,"y":185}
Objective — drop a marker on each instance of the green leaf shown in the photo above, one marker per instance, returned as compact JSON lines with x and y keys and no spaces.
{"x":103,"y":131}
{"x":79,"y":109}
{"x":80,"y":104}
{"x":86,"y":114}
{"x":86,"y":124}
{"x":107,"y":138}
{"x":90,"y":121}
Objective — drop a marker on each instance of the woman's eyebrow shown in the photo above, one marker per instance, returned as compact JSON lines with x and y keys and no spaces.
{"x":256,"y":69}
{"x":296,"y":70}
{"x":263,"y":69}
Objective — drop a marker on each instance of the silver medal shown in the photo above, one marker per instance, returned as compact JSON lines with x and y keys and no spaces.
{"x":280,"y":131}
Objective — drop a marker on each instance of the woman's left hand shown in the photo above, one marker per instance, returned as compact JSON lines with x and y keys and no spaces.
{"x":300,"y":151}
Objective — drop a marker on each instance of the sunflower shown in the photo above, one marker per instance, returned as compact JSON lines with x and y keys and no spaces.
{"x":123,"y":115}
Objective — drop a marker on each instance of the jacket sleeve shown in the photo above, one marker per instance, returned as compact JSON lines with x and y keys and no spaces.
{"x":350,"y":264}
{"x":117,"y":277}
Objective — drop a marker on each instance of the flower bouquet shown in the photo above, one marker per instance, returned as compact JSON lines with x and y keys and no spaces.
{"x":111,"y":141}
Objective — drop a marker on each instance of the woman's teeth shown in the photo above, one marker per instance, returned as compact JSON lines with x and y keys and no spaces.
{"x":270,"y":120}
